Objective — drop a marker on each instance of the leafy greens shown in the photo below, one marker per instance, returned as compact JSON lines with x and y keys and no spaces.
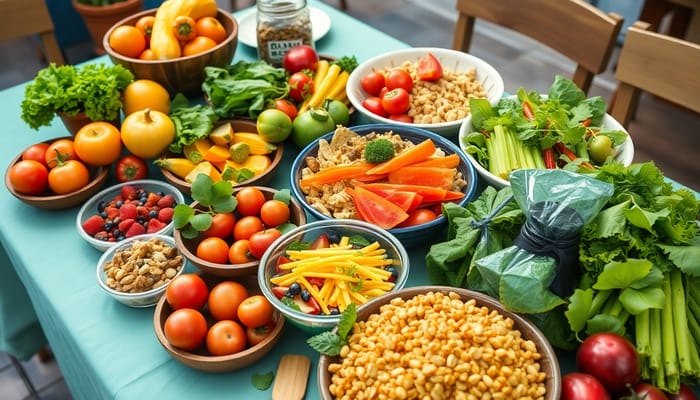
{"x":192,"y":122}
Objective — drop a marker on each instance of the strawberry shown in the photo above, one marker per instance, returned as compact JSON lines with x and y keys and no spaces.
{"x":125,"y":224}
{"x":112,"y":212}
{"x":308,"y":307}
{"x":154,"y":225}
{"x":279,"y":291}
{"x":128,"y":211}
{"x":166,"y":201}
{"x":135,"y":229}
{"x":166,"y":214}
{"x":142,"y":211}
{"x":128,"y":192}
{"x":152,"y":199}
{"x":93,"y":225}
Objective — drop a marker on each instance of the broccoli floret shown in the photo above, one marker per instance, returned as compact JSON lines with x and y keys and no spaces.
{"x":378,"y":151}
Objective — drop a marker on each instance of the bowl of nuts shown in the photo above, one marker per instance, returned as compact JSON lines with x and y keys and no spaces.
{"x":136,"y":271}
{"x":447,"y":343}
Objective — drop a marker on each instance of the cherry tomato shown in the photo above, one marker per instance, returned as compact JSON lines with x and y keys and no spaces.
{"x":611,"y":359}
{"x":260,"y":241}
{"x":147,"y":55}
{"x":187,"y":291}
{"x":29,"y":177}
{"x":184,"y":28}
{"x":185,"y":328}
{"x":98,"y":143}
{"x":299,"y":58}
{"x":247,"y":226}
{"x":648,"y":391}
{"x":68,"y":177}
{"x":373,"y":83}
{"x":60,"y":148}
{"x":301,"y":86}
{"x":145,"y":25}
{"x":199,"y":44}
{"x":396,"y":101}
{"x":374,"y":105}
{"x":239,"y":252}
{"x":36,"y":152}
{"x":401,"y":118}
{"x":249,"y":199}
{"x":581,"y":386}
{"x":221,"y":226}
{"x":224,"y":299}
{"x":257,"y":335}
{"x":255,"y":311}
{"x":418,"y":216}
{"x":399,"y":78}
{"x":226,"y":337}
{"x":429,"y":68}
{"x":287,"y":107}
{"x":127,"y":40}
{"x":131,"y":168}
{"x":213,"y":249}
{"x":274,"y":212}
{"x":685,"y":393}
{"x":211,"y":28}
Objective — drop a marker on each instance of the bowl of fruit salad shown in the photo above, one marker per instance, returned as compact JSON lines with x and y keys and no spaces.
{"x":314,"y":272}
{"x":126,"y":210}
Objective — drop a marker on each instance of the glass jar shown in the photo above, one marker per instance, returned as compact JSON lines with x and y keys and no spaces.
{"x":281,"y":25}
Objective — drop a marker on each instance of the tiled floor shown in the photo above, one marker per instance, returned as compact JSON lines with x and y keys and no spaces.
{"x":661,"y":132}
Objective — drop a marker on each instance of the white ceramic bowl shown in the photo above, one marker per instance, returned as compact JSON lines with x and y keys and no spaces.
{"x":451,"y":59}
{"x":90,"y":208}
{"x":142,"y":299}
{"x":625,"y":151}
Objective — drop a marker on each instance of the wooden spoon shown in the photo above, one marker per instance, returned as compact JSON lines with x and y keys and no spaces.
{"x":292,"y":375}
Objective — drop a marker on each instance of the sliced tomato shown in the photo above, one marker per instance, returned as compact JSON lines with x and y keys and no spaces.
{"x":282,"y":260}
{"x":321,"y":242}
{"x":402,"y":198}
{"x":279,"y":291}
{"x":430,"y":194}
{"x":429,"y":68}
{"x":376,"y":209}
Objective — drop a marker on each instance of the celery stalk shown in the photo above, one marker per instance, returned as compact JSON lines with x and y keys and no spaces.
{"x":641,"y":334}
{"x":537,"y":156}
{"x":668,"y":338}
{"x":680,"y":322}
{"x":657,"y":376}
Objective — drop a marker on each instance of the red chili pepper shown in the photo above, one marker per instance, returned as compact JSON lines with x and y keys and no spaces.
{"x":586,"y":122}
{"x":570,"y":154}
{"x":549,"y":161}
{"x":527,"y":111}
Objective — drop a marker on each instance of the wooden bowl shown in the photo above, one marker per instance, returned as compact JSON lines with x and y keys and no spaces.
{"x":183,"y":74}
{"x":239,"y":125}
{"x":548,"y":361}
{"x":188,"y":247}
{"x":51,"y":201}
{"x":199,"y":358}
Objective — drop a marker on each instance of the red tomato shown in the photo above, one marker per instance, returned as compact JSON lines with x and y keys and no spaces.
{"x":648,"y":391}
{"x":611,"y":359}
{"x":260,"y":241}
{"x":187,"y":291}
{"x":685,"y":393}
{"x":374,"y":105}
{"x":247,"y":226}
{"x":257,"y":335}
{"x":36,"y":152}
{"x":213,"y":249}
{"x":401,"y":118}
{"x":185,"y":328}
{"x":274,"y":212}
{"x":226,"y":337}
{"x":396,"y":101}
{"x":255,"y":311}
{"x":221,"y":226}
{"x":29,"y":177}
{"x":98,"y":143}
{"x":418,"y":216}
{"x":249,"y":199}
{"x":68,"y":177}
{"x":224,"y":299}
{"x":239,"y":252}
{"x":301,"y":86}
{"x":373,"y":83}
{"x":286,"y":107}
{"x":399,"y":78}
{"x":299,"y":58}
{"x":581,"y":386}
{"x":130,"y":168}
{"x":429,"y":68}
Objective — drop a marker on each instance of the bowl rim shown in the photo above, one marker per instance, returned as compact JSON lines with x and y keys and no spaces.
{"x":626,"y":148}
{"x":481,"y":64}
{"x":439,"y":140}
{"x":91,"y":202}
{"x":109,"y":254}
{"x":543,"y":346}
{"x":327,"y":320}
{"x":233,"y":35}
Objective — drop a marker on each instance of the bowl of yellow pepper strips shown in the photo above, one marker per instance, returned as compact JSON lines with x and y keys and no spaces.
{"x":181,"y":38}
{"x":312,"y":273}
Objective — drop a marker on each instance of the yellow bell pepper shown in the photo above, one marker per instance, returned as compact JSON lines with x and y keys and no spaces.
{"x":163,"y":42}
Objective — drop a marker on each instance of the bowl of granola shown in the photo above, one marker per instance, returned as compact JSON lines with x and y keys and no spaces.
{"x":393,"y":176}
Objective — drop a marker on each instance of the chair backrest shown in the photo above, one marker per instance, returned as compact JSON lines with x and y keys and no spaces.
{"x":573,"y":28}
{"x":30,"y":17}
{"x":662,"y":65}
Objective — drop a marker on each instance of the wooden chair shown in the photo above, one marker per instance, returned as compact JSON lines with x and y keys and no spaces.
{"x":664,"y":66}
{"x":30,"y":17}
{"x":573,"y":28}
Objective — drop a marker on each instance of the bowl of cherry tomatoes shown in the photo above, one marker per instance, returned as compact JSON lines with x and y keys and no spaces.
{"x":214,"y":45}
{"x":36,"y":178}
{"x":216,"y":324}
{"x":234,"y":242}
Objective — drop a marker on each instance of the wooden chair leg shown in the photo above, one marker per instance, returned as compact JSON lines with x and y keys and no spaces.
{"x":343,"y":5}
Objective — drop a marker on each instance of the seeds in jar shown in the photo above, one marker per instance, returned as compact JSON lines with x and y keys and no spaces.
{"x":146,"y":265}
{"x":276,"y":38}
{"x":437,"y":346}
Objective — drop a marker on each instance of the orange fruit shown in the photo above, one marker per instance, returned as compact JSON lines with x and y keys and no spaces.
{"x":144,"y":93}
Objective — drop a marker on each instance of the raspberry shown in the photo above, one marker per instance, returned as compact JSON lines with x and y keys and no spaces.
{"x":128,"y":211}
{"x":128,"y":192}
{"x":126,"y":224}
{"x":154,"y":225}
{"x":166,"y":201}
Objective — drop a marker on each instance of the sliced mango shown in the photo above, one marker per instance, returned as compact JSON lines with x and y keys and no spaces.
{"x":178,"y":166}
{"x":257,"y":163}
{"x":204,"y":167}
{"x":217,"y":153}
{"x":196,"y":150}
{"x":222,"y":135}
{"x":257,"y":144}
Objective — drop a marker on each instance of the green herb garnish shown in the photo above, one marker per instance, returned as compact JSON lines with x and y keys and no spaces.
{"x":262,"y":381}
{"x":329,"y":343}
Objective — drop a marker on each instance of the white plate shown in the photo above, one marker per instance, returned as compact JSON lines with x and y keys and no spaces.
{"x":247,"y":26}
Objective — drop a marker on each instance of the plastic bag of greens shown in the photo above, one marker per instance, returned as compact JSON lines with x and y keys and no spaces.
{"x":541,"y":266}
